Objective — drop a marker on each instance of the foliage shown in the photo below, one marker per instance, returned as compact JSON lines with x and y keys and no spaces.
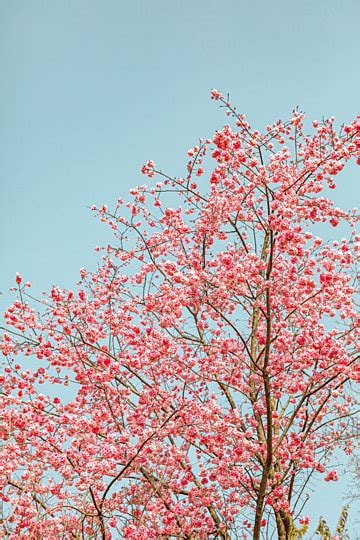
{"x":323,"y":529}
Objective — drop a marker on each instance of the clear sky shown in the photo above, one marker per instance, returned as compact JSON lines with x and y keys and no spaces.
{"x":90,"y":89}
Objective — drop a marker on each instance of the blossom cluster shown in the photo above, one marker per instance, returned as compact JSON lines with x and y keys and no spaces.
{"x":190,"y":386}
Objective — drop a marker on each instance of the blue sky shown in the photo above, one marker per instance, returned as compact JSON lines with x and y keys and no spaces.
{"x":92,"y":89}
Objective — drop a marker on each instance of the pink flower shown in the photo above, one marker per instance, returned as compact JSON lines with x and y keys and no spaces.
{"x":331,"y":476}
{"x":215,"y":94}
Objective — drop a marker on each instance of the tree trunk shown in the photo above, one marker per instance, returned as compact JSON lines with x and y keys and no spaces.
{"x":285,"y":525}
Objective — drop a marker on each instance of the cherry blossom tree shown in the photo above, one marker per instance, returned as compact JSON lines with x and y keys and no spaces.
{"x":191,"y":386}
